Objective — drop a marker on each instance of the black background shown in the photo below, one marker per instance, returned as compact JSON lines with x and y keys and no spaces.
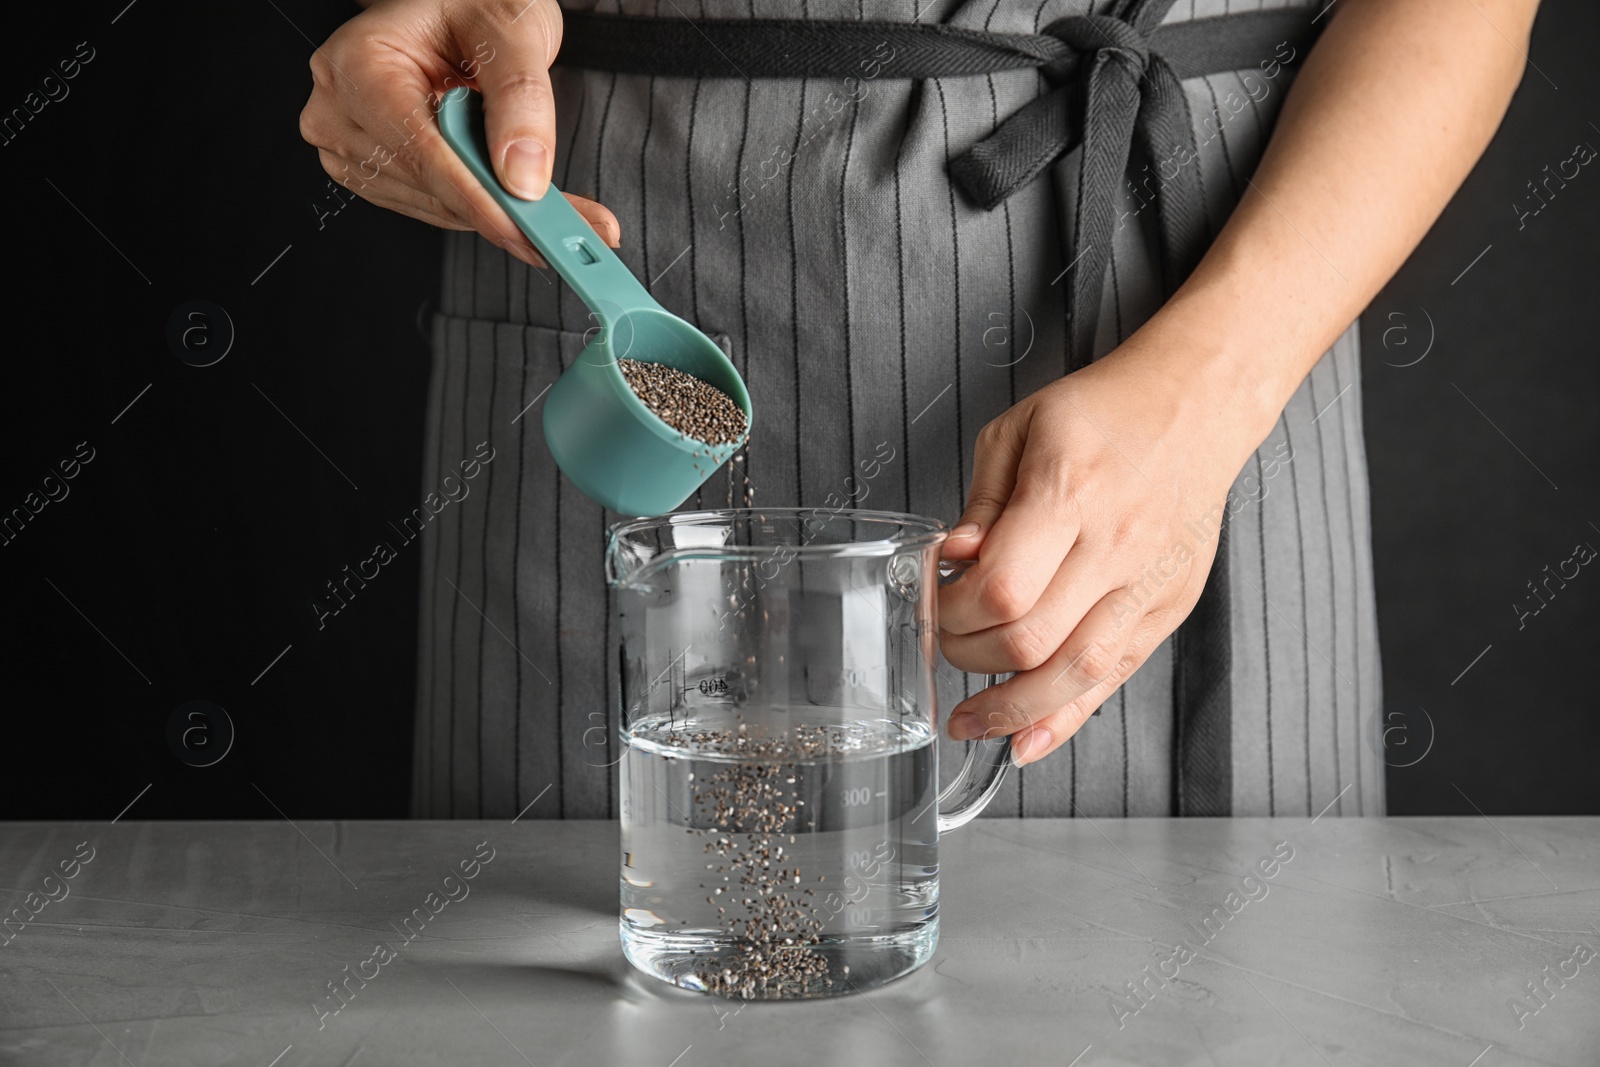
{"x":185,"y":558}
{"x":1462,"y":519}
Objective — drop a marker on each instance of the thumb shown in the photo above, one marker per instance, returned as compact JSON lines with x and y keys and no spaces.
{"x":994,"y":474}
{"x":519,"y":111}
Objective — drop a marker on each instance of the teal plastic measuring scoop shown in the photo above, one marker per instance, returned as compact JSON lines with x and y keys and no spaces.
{"x":603,"y":437}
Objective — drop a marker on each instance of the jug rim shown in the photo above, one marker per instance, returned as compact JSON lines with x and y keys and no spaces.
{"x":915,"y":531}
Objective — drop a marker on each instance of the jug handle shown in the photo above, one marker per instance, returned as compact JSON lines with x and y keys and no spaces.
{"x":984,"y":770}
{"x":979,"y":779}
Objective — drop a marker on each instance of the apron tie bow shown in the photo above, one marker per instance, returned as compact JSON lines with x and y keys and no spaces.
{"x":1110,"y":87}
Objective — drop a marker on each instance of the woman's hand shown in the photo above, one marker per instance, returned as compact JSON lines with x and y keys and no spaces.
{"x":377,"y":83}
{"x":1093,"y":516}
{"x":1097,"y":500}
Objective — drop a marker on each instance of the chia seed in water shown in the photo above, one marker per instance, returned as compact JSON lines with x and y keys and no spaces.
{"x":778,"y":924}
{"x":803,"y":837}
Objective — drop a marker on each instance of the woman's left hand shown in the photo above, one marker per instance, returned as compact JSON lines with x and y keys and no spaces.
{"x":1093,"y":518}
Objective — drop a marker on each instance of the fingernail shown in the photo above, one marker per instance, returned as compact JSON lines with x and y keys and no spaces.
{"x":1033,"y":744}
{"x":520,"y":252}
{"x":964,"y":726}
{"x":966,"y":529}
{"x":525,"y":166}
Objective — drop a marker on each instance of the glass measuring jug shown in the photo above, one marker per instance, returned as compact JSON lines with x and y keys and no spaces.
{"x":779,"y":779}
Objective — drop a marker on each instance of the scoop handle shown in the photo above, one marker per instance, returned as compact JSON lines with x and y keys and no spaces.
{"x":564,"y":237}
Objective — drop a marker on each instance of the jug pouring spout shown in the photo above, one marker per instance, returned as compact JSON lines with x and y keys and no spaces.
{"x":639,"y":548}
{"x":625,"y":559}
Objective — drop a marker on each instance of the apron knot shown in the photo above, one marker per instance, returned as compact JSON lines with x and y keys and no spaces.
{"x":1103,"y":73}
{"x":1097,"y":36}
{"x":1110,"y":88}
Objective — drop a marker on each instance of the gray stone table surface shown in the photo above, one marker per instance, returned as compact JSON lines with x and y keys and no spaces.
{"x":1380,"y":941}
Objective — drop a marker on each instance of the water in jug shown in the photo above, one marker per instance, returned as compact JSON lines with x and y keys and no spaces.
{"x":779,"y":783}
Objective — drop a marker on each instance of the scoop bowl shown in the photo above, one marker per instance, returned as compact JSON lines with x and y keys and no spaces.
{"x":605,"y":439}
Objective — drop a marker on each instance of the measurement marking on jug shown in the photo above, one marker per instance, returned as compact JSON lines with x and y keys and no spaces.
{"x":671,"y":665}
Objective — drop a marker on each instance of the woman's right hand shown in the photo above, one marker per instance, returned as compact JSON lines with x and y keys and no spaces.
{"x":377,"y":83}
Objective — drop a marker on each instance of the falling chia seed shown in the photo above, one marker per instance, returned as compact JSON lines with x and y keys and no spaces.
{"x":753,"y":800}
{"x":695,"y":408}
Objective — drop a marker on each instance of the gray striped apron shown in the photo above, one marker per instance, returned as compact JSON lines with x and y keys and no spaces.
{"x":815,"y":231}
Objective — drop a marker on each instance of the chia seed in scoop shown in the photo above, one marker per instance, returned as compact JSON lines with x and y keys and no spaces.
{"x":693,"y":407}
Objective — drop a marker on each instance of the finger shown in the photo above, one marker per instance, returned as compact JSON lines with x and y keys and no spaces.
{"x":402,"y":198}
{"x":994,"y":465}
{"x":519,"y":110}
{"x":965,"y":541}
{"x":387,"y":191}
{"x":1023,"y":547}
{"x":462,"y":191}
{"x":324,"y":123}
{"x":451,"y":207}
{"x":1030,"y":642}
{"x":1022,"y":553}
{"x":1035,"y":742}
{"x":400,"y":194}
{"x":1088,"y":666}
{"x":600,"y":217}
{"x":397,"y":194}
{"x":349,"y":156}
{"x":496,"y":227}
{"x":392,"y":124}
{"x":395,"y":111}
{"x":994,"y":470}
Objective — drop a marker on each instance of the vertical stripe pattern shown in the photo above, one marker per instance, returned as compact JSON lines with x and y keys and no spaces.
{"x":817,"y":235}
